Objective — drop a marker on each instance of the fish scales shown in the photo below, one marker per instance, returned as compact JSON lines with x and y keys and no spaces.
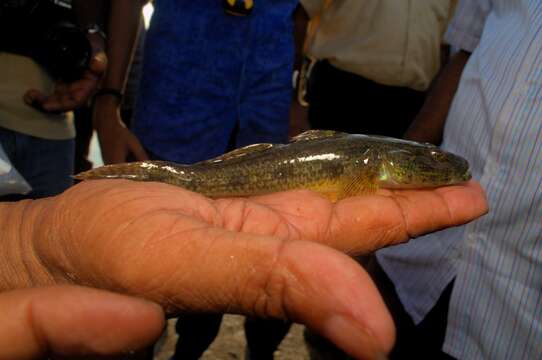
{"x":282,"y":169}
{"x":335,"y":164}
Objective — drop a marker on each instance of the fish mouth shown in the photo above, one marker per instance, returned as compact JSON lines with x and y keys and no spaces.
{"x":466,"y":176}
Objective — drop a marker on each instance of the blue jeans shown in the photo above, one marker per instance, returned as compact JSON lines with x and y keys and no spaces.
{"x":47,"y":165}
{"x":210,"y":80}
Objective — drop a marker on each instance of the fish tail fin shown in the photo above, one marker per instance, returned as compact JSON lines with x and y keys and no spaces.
{"x":139,"y":171}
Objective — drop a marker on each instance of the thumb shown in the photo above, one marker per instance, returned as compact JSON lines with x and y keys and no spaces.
{"x":98,"y":63}
{"x":213,"y":270}
{"x":74,"y":321}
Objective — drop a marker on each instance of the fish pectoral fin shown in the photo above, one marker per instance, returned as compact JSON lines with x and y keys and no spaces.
{"x":356,"y":186}
{"x":244,"y":151}
{"x":317,"y":134}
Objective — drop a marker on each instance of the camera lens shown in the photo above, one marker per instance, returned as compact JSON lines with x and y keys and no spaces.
{"x":64,"y":51}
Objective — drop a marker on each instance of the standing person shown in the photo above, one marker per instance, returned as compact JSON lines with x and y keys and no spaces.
{"x":478,"y":287}
{"x":208,"y":78}
{"x":211,"y":82}
{"x":376,"y":60}
{"x":36,"y":127}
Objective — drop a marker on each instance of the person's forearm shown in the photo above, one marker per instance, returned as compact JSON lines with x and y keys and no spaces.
{"x":123,"y":26}
{"x":429,"y":124}
{"x":20,"y":267}
{"x":301,"y":20}
{"x":312,"y":7}
{"x":298,"y":113}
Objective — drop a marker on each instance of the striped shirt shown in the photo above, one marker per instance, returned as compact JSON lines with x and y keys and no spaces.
{"x":496,"y":122}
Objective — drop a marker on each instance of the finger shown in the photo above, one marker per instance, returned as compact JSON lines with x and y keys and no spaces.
{"x":59,"y":103}
{"x":61,"y":88}
{"x":73,"y":321}
{"x":366,"y":223}
{"x":98,"y":64}
{"x":396,"y":216}
{"x":211,"y":270}
{"x":34,"y":98}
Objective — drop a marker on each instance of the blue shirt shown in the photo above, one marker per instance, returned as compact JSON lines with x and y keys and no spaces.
{"x":496,"y":123}
{"x":206,"y":73}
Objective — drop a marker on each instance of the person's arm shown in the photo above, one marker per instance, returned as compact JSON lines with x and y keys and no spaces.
{"x":116,"y":141}
{"x":428,"y":126}
{"x":298,"y":113}
{"x":312,"y":7}
{"x":278,"y":255}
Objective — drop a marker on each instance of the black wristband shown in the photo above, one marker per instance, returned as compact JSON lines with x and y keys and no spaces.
{"x":117,"y":94}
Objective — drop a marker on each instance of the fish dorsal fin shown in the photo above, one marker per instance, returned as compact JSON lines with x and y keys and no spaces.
{"x":317,"y":134}
{"x":237,"y":153}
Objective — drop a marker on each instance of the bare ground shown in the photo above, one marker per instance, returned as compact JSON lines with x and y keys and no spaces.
{"x":230,"y":343}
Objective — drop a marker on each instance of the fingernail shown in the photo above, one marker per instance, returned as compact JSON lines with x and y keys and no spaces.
{"x":355,"y":339}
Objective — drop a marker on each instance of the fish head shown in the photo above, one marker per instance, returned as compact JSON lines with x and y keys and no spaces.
{"x":413,"y":165}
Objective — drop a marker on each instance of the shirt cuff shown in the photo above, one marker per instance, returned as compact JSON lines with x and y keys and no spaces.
{"x":461,"y":39}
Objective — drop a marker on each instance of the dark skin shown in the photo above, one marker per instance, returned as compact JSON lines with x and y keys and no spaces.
{"x":298,"y":114}
{"x":429,"y":123}
{"x":116,"y":140}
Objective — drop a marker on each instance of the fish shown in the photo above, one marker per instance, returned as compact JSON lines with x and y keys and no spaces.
{"x":335,"y":164}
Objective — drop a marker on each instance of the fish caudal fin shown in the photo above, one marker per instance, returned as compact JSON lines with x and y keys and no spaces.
{"x":130,"y":171}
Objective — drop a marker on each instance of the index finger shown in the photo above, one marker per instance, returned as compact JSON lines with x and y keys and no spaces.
{"x":366,"y":223}
{"x":396,"y":216}
{"x":69,"y":320}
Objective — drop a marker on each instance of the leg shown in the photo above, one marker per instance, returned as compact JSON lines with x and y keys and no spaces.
{"x":264,"y":337}
{"x":196,"y":333}
{"x":47,"y":165}
{"x":422,"y":341}
{"x":264,"y":106}
{"x":344,"y":101}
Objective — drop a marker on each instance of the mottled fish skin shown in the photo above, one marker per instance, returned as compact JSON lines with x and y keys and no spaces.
{"x":337,"y":165}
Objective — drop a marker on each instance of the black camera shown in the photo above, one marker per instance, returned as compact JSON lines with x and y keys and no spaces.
{"x":44,"y":30}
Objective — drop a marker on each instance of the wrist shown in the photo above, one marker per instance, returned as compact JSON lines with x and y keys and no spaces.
{"x":106,"y":119}
{"x":20,"y":264}
{"x":107,"y":106}
{"x":111,"y":95}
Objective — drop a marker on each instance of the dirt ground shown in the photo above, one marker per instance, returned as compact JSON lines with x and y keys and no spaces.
{"x":230,"y":343}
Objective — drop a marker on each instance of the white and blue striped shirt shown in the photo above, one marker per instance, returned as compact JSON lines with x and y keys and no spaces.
{"x":496,"y":123}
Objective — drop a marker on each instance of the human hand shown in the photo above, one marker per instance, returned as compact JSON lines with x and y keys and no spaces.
{"x":258,"y":256}
{"x":69,"y":321}
{"x":70,"y":96}
{"x":117,"y":142}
